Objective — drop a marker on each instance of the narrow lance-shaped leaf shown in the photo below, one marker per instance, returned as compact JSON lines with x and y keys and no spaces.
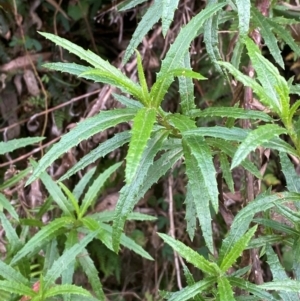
{"x":225,"y":292}
{"x":237,"y":250}
{"x":81,"y":184}
{"x":16,"y":288}
{"x":288,"y":169}
{"x":10,"y":274}
{"x":243,"y":7}
{"x":131,"y":193}
{"x":127,"y":4}
{"x":142,"y":79}
{"x":66,"y":289}
{"x":254,"y":139}
{"x":167,"y":17}
{"x":9,"y":146}
{"x":190,"y":213}
{"x":7,"y":205}
{"x":285,"y":285}
{"x":141,"y":130}
{"x":95,"y":188}
{"x":83,"y":130}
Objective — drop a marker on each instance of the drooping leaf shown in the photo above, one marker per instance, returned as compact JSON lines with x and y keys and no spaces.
{"x":95,"y":188}
{"x":82,"y":131}
{"x":225,"y":292}
{"x":45,"y":235}
{"x":237,"y":250}
{"x":141,"y":130}
{"x":191,"y":256}
{"x":130,"y":193}
{"x":167,"y":17}
{"x":254,"y":139}
{"x":11,"y":145}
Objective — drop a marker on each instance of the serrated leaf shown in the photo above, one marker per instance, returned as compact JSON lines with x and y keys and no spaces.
{"x":95,"y":188}
{"x":80,"y":186}
{"x":251,"y":288}
{"x":225,"y":292}
{"x":42,"y":237}
{"x":102,"y":150}
{"x":190,"y":281}
{"x":128,"y":102}
{"x":279,"y":273}
{"x":231,"y":112}
{"x":225,"y":167}
{"x":269,"y":38}
{"x":190,"y":292}
{"x":115,"y":78}
{"x":82,"y":131}
{"x":55,"y":192}
{"x":243,"y":219}
{"x":237,"y":250}
{"x":186,"y":88}
{"x":191,"y":256}
{"x":148,"y":20}
{"x":16,"y":288}
{"x":7,"y":205}
{"x":285,"y":285}
{"x":288,"y":169}
{"x":237,"y":53}
{"x":71,"y":197}
{"x":127,"y":4}
{"x":67,"y":258}
{"x":243,"y":9}
{"x":276,"y":226}
{"x":141,"y":130}
{"x":179,"y":48}
{"x":167,"y":16}
{"x":10,"y":274}
{"x":202,"y":153}
{"x":200,"y":197}
{"x":254,"y":139}
{"x":91,"y":271}
{"x":190,"y":213}
{"x":130,"y":193}
{"x":66,"y":289}
{"x":142,"y":79}
{"x":11,"y":145}
{"x":71,"y":68}
{"x":280,"y":145}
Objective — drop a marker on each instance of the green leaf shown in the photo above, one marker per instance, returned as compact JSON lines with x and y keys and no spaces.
{"x":280,"y":145}
{"x":7,"y":205}
{"x":179,"y":48}
{"x":66,"y":289}
{"x":237,"y":250}
{"x":168,"y":9}
{"x":9,"y":146}
{"x":127,"y":102}
{"x":130,"y":194}
{"x":269,"y":38}
{"x":190,"y":281}
{"x":225,"y":292}
{"x":190,"y":292}
{"x":254,"y":139}
{"x":225,"y":167}
{"x":15,"y":179}
{"x":71,"y":197}
{"x":142,"y":79}
{"x":276,"y":226}
{"x":243,"y":7}
{"x":190,"y":213}
{"x":84,"y":130}
{"x":70,"y":68}
{"x":16,"y":288}
{"x":141,"y":130}
{"x":102,"y":150}
{"x":288,"y":169}
{"x":127,"y":4}
{"x":191,"y":256}
{"x":91,"y":271}
{"x":251,"y":288}
{"x":285,"y":285}
{"x":45,"y":235}
{"x":80,"y":186}
{"x":7,"y":272}
{"x":186,"y":88}
{"x":67,"y":258}
{"x":55,"y":192}
{"x":279,"y":273}
{"x":148,"y":20}
{"x":115,"y":78}
{"x":231,"y":112}
{"x":245,"y":216}
{"x":199,"y":196}
{"x":202,"y":153}
{"x":94,"y":189}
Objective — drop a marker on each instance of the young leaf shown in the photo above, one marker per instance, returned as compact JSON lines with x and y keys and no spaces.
{"x":141,"y":130}
{"x":130,"y":193}
{"x":225,"y":292}
{"x":94,"y":189}
{"x":45,"y":235}
{"x":254,"y":139}
{"x":191,"y":256}
{"x":9,"y":146}
{"x":142,"y":79}
{"x":167,"y":16}
{"x":237,"y":250}
{"x":102,"y":150}
{"x":91,"y":271}
{"x":149,"y":19}
{"x":243,"y":7}
{"x":64,"y":289}
{"x":186,"y":88}
{"x":83,"y":130}
{"x":67,"y":258}
{"x":80,"y":186}
{"x":71,"y":197}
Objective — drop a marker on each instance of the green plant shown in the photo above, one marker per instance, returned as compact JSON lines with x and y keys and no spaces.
{"x":158,"y":139}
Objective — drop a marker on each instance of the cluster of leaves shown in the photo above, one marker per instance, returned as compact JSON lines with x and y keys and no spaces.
{"x":158,"y":140}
